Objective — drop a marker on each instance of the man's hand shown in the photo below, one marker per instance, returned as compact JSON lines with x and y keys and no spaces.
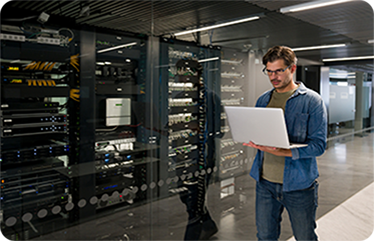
{"x":272,"y":150}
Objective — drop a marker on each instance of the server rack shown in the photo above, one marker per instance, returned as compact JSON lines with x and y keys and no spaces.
{"x":190,"y":77}
{"x":187,"y":105}
{"x":234,"y":156}
{"x":76,"y":139}
{"x":125,"y":154}
{"x":93,"y":134}
{"x":36,"y":72}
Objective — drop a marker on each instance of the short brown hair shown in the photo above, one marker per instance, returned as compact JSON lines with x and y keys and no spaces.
{"x":280,"y":52}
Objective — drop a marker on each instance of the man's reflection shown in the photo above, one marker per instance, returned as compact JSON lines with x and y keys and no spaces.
{"x":200,"y":225}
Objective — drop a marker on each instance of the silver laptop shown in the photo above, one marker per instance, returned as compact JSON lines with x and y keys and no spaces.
{"x":262,"y":126}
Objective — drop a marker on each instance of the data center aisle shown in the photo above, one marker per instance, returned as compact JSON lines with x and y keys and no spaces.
{"x":345,"y":193}
{"x":347,"y":174}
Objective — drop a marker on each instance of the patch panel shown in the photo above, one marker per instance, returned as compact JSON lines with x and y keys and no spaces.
{"x":45,"y":40}
{"x":12,"y":37}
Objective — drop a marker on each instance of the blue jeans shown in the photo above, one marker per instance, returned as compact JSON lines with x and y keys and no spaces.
{"x":301,"y":206}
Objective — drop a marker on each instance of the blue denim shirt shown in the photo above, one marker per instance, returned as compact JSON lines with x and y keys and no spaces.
{"x":306,"y":120}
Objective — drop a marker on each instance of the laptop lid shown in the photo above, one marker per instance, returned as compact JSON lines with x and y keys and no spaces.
{"x":262,"y":126}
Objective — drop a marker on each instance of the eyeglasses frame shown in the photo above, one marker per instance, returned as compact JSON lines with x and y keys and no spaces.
{"x":276,"y":72}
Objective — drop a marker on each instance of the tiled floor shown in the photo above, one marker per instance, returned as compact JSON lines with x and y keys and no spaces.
{"x":351,"y":220}
{"x":345,"y":169}
{"x":347,"y":173}
{"x":345,"y":209}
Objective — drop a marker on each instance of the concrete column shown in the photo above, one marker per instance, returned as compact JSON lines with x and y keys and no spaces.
{"x":358,"y":124}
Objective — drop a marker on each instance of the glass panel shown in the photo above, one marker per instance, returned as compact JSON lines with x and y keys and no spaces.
{"x":37,"y":141}
{"x":113,"y":124}
{"x":113,"y":127}
{"x":80,"y":133}
{"x":350,"y":101}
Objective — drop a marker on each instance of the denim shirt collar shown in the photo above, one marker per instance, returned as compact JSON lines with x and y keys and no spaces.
{"x":300,"y":91}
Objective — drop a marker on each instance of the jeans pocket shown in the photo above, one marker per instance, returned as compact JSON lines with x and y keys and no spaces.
{"x":316,"y":186}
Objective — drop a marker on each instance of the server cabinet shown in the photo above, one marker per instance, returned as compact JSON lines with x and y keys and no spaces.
{"x":189,"y":83}
{"x":37,"y":69}
{"x":190,"y":77}
{"x":126,"y":160}
{"x":77,"y":141}
{"x":234,"y":157}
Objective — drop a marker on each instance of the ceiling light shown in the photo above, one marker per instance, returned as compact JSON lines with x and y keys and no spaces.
{"x":206,"y":60}
{"x":348,"y":58}
{"x":342,"y":75}
{"x":85,"y":12}
{"x":116,"y":47}
{"x":319,"y":47}
{"x":341,"y":83}
{"x":310,"y":5}
{"x":218,"y":25}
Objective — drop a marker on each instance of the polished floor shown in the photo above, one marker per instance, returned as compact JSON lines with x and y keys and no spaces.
{"x":345,"y":212}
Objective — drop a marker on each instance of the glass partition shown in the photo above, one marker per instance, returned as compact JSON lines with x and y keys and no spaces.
{"x":350,"y":103}
{"x":122,"y":135}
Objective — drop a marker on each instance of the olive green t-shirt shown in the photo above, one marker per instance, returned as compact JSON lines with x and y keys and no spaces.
{"x":273,"y":166}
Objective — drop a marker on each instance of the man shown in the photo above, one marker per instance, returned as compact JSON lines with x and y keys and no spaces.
{"x":286,"y":178}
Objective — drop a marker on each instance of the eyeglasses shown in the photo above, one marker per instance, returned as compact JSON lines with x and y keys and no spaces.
{"x":276,"y":72}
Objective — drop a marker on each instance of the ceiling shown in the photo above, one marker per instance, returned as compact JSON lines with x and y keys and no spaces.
{"x":349,"y":22}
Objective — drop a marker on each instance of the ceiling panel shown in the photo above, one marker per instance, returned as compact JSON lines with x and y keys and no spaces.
{"x":353,"y":19}
{"x":350,"y":22}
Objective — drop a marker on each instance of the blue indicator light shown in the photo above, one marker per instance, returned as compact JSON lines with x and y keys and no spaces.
{"x":109,"y":187}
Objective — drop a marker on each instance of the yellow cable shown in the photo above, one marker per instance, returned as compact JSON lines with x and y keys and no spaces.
{"x":51,"y":66}
{"x":74,"y":61}
{"x":46,"y":67}
{"x":74,"y":94}
{"x":41,"y":66}
{"x":30,"y":65}
{"x":36,"y":66}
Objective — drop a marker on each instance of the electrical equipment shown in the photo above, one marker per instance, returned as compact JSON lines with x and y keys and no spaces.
{"x":234,"y":160}
{"x":30,"y":188}
{"x":118,"y":111}
{"x":35,"y":130}
{"x":33,"y":33}
{"x":12,"y":37}
{"x":24,"y":119}
{"x":186,"y":100}
{"x":43,"y":17}
{"x":124,"y":155}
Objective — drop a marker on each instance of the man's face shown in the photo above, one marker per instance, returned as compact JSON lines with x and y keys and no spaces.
{"x":281,"y":81}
